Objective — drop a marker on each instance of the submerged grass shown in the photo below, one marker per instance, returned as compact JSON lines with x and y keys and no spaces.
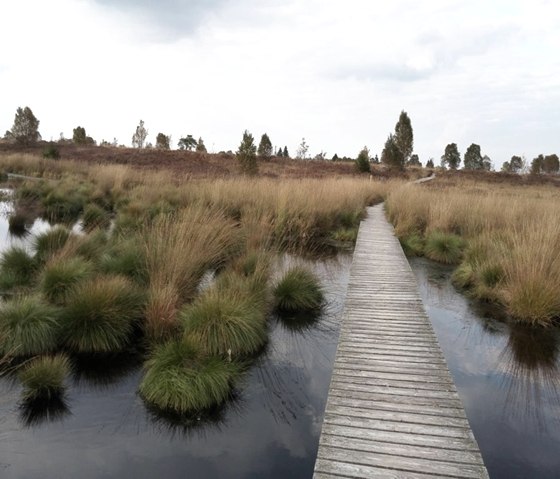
{"x":180,"y":378}
{"x":43,"y":378}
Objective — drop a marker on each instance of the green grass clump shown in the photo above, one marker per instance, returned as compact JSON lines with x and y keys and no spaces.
{"x":126,"y":257}
{"x":463,"y":276}
{"x":226,"y":320}
{"x":180,"y":378}
{"x":64,"y":205}
{"x":48,"y":243}
{"x":17,"y":224}
{"x":28,"y":326}
{"x":43,"y":378}
{"x":413,"y":245}
{"x":91,"y":246}
{"x":444,"y":247}
{"x":298,"y":290}
{"x":17,"y":268}
{"x":95,"y":217}
{"x":59,"y":277}
{"x":345,"y":235}
{"x":100,"y":314}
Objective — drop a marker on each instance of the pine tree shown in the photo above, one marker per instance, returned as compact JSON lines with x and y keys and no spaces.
{"x":392,"y":155}
{"x":404,"y":137}
{"x":362,"y":162}
{"x":247,"y":154}
{"x":162,"y":141}
{"x":265,"y":146}
{"x":286,"y":154}
{"x":25,"y":130}
{"x":200,"y":146}
{"x":473,"y":158}
{"x":451,"y":157}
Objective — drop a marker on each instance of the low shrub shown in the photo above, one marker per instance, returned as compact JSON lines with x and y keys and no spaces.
{"x":100,"y":314}
{"x":28,"y":326}
{"x":443,"y":247}
{"x":180,"y":378}
{"x":44,"y":377}
{"x":59,"y":277}
{"x":298,"y":290}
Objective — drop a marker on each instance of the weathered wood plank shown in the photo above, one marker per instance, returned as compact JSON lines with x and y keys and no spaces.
{"x":393,"y":410}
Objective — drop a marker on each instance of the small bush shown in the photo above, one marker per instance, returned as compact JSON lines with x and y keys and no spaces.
{"x":413,"y":245}
{"x":181,"y":379}
{"x":100,"y":314}
{"x":51,"y":153}
{"x":48,"y":243}
{"x":59,"y":277}
{"x":226,"y":321}
{"x":95,"y":217}
{"x":298,"y":290}
{"x":443,"y":247}
{"x":17,"y":268}
{"x":43,"y":378}
{"x":28,"y":326}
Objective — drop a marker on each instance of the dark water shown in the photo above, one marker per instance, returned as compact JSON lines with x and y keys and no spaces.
{"x":508,"y":376}
{"x":104,"y":430}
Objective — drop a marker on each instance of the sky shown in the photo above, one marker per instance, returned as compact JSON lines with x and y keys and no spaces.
{"x":335,"y":73}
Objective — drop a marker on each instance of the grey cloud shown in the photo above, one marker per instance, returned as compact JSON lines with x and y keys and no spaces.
{"x":172,"y":18}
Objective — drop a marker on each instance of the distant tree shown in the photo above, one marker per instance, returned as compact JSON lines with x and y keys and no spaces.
{"x":537,"y":165}
{"x":506,"y":167}
{"x":404,"y":137}
{"x":486,"y":163}
{"x":516,"y":164}
{"x":25,"y":130}
{"x":413,"y":161}
{"x":301,"y":153}
{"x":375,"y":159}
{"x":285,"y":153}
{"x":187,"y":143}
{"x":392,"y":155}
{"x":451,"y":157}
{"x":200,"y":146}
{"x":430,"y":163}
{"x":139,"y":136}
{"x":79,"y":137}
{"x":247,"y":154}
{"x":279,"y":152}
{"x":163,"y":141}
{"x":362,"y":162}
{"x":265,"y":146}
{"x":473,"y":158}
{"x":335,"y":157}
{"x":551,"y":164}
{"x":320,"y":156}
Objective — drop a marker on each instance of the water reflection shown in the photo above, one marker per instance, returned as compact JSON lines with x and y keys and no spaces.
{"x":102,"y":371}
{"x":507,"y":374}
{"x":35,"y":412}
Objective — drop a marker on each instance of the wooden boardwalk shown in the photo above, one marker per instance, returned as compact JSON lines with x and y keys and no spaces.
{"x":393,"y":410}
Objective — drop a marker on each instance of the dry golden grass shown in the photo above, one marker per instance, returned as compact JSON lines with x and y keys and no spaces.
{"x":513,"y":236}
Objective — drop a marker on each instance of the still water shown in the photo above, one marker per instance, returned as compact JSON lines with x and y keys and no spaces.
{"x":508,"y":377}
{"x":103,"y":430}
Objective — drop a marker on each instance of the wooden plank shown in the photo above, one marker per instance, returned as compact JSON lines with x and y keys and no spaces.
{"x":393,"y":410}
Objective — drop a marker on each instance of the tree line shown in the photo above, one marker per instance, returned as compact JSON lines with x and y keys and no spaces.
{"x":397,"y":152}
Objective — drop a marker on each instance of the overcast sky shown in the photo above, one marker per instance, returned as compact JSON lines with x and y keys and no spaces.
{"x":337,"y":73}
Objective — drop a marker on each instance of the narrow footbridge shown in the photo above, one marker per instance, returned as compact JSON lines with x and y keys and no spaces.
{"x":393,"y":410}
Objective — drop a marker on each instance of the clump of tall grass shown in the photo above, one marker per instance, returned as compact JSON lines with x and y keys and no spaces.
{"x":28,"y":326}
{"x":100,"y":314}
{"x":226,"y":320}
{"x":444,"y":247}
{"x":182,"y":379}
{"x":17,"y":268}
{"x":126,"y":257}
{"x":17,"y":224}
{"x":179,"y":249}
{"x":49,"y":243}
{"x":298,"y":290}
{"x":59,"y":276}
{"x":413,"y":244}
{"x":95,"y":217}
{"x":44,"y":377}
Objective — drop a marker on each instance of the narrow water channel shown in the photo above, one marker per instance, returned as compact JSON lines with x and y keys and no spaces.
{"x":508,"y":377}
{"x":104,"y":430}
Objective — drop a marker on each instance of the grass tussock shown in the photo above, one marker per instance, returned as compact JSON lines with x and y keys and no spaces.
{"x":44,"y":378}
{"x":182,"y":379}
{"x":17,"y":268}
{"x":298,"y":290}
{"x":59,"y":276}
{"x":51,"y":242}
{"x":512,"y":253}
{"x":100,"y":314}
{"x":443,"y":247}
{"x":28,"y":326}
{"x":95,"y":217}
